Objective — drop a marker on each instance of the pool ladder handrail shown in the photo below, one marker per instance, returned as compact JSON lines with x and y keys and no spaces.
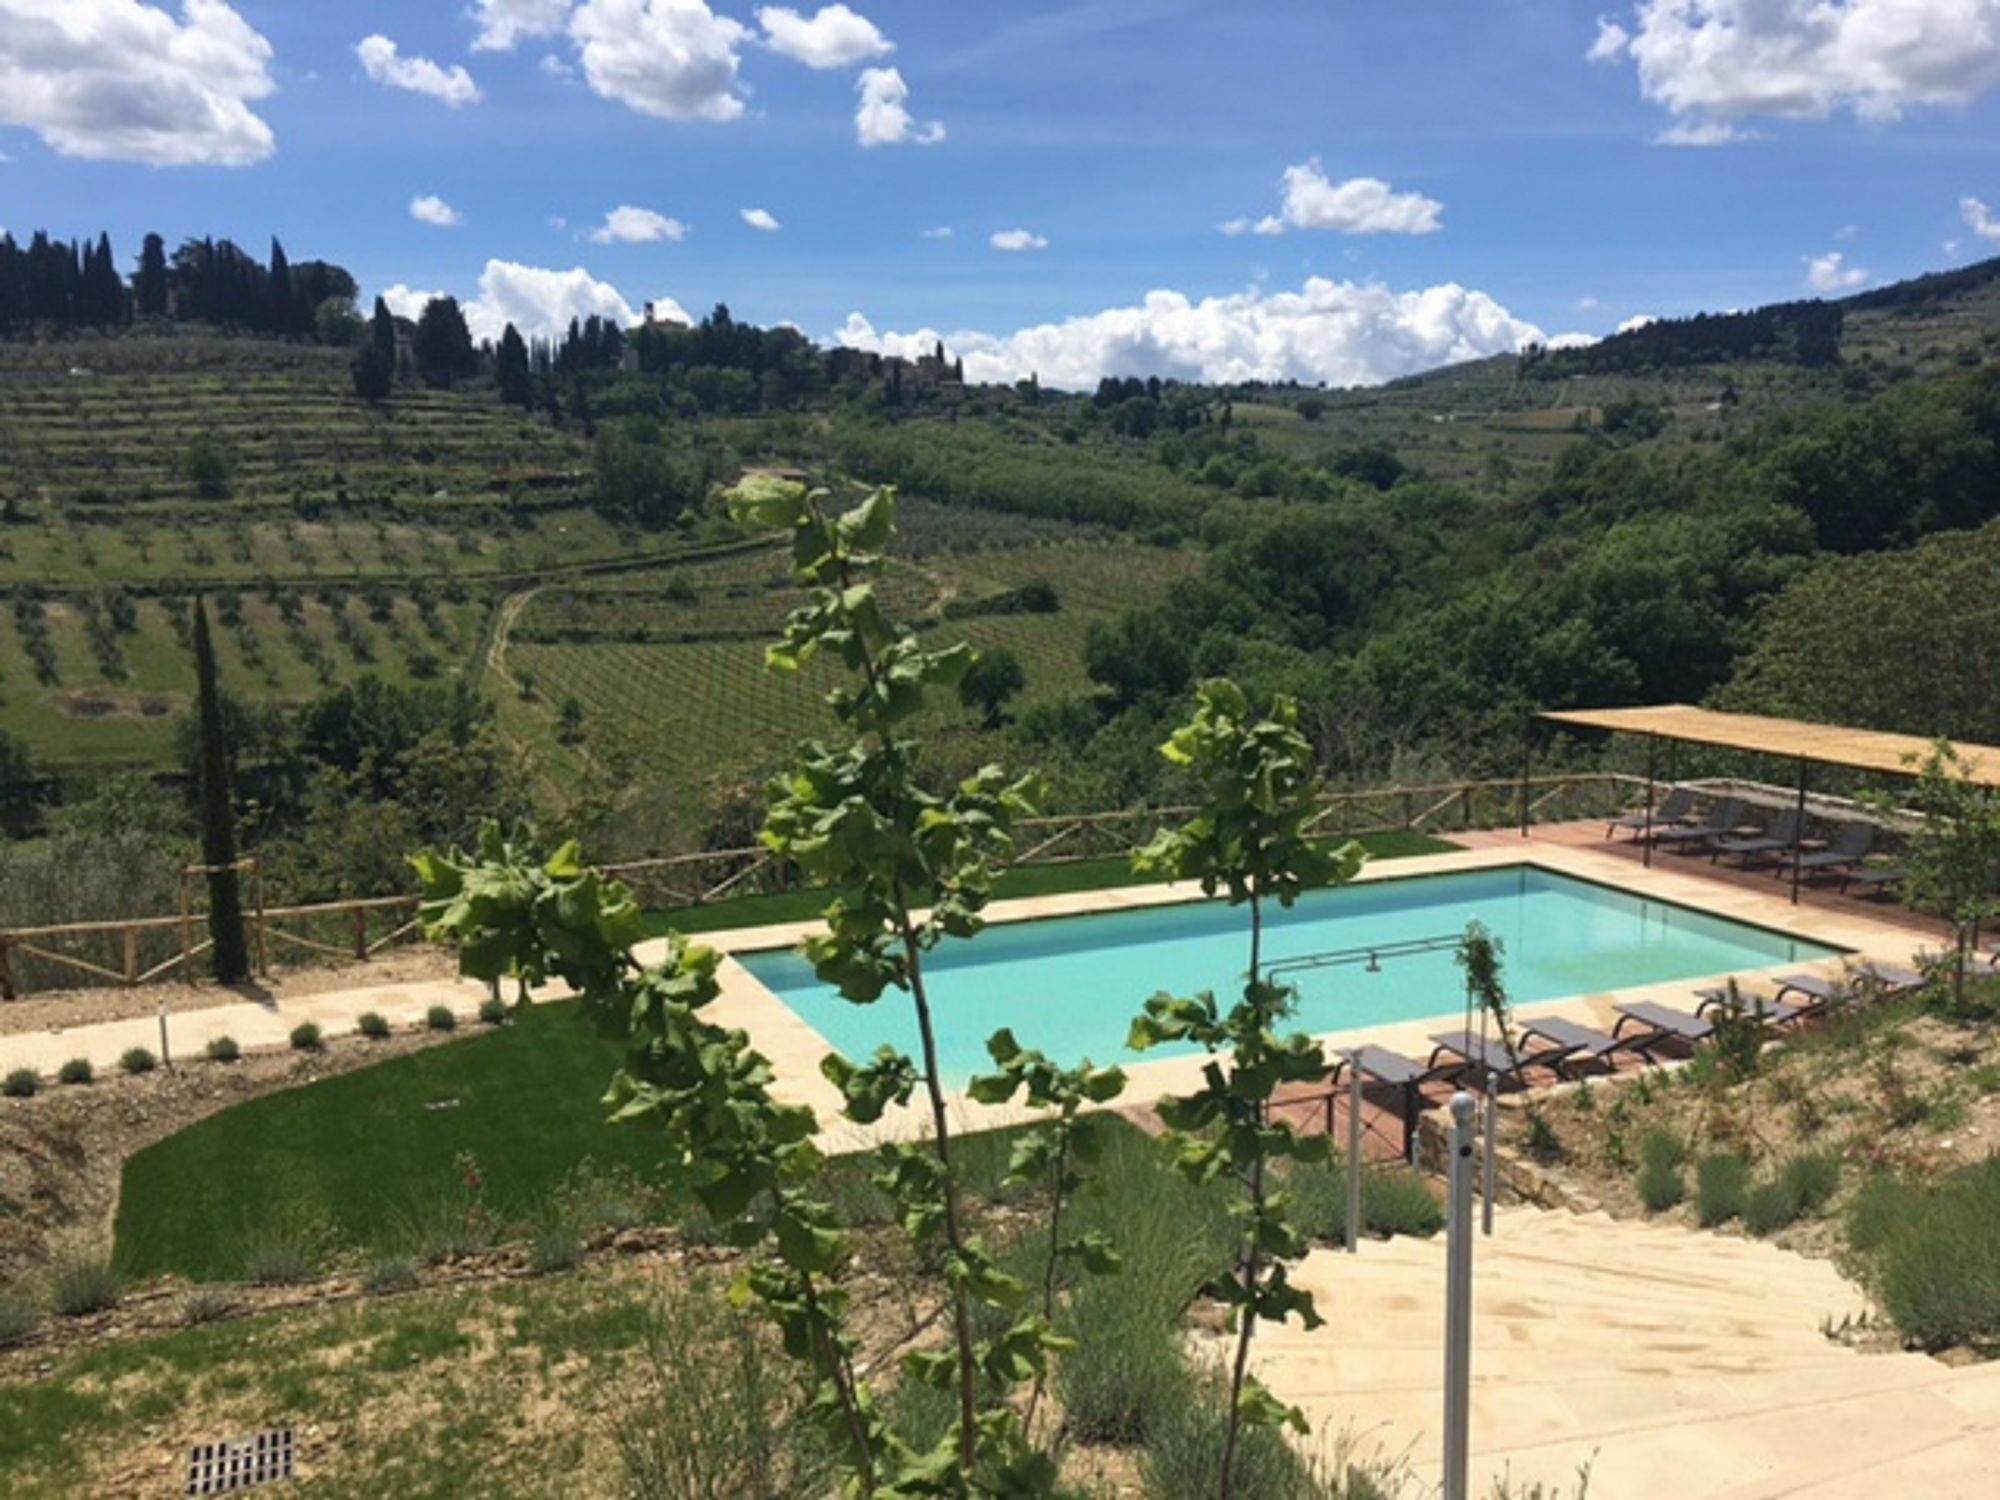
{"x":1370,"y":954}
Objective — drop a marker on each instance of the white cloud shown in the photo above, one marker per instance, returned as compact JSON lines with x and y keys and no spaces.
{"x":1847,"y":231}
{"x":761,"y":218}
{"x":1702,"y":133}
{"x":1360,"y":205}
{"x":429,"y":208}
{"x":1018,"y":239}
{"x":406,"y":301}
{"x":537,"y":301}
{"x":668,"y":310}
{"x":1953,"y":249}
{"x":117,"y":80}
{"x":381,"y":61}
{"x":1637,"y":321}
{"x":1572,"y":341}
{"x":1979,"y":218}
{"x":1344,"y":333}
{"x":626,"y":225}
{"x":835,"y":37}
{"x":674,"y":59}
{"x":555,"y":67}
{"x":1712,"y":62}
{"x":1829,"y":273}
{"x":502,"y":23}
{"x":941,"y":232}
{"x":1612,"y":40}
{"x":883,"y":118}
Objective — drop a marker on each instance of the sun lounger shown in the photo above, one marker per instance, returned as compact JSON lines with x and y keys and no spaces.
{"x":1722,"y":818}
{"x":1485,"y":1056}
{"x":1378,"y":1065}
{"x":1776,"y":1012}
{"x":1777,"y":839}
{"x":1674,"y":809}
{"x":1850,"y":847}
{"x":1890,"y":979}
{"x":1663,"y":1024}
{"x":1585,"y":1043}
{"x":1874,"y":880}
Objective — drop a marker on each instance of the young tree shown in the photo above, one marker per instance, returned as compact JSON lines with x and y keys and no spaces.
{"x":374,"y":374}
{"x":1248,"y":840}
{"x":382,"y":334}
{"x":443,"y":345}
{"x":149,"y":286}
{"x":1954,"y":853}
{"x":218,"y":814}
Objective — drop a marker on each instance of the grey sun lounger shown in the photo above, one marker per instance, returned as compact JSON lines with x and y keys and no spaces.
{"x":1776,"y":1011}
{"x":1484,"y":1055}
{"x":1665,"y":1024}
{"x":1378,"y":1065}
{"x":1852,"y":845}
{"x":1673,"y":810}
{"x":1891,"y":979}
{"x":1585,"y":1043}
{"x":1777,"y":839}
{"x":1723,"y":817}
{"x":1875,"y":879}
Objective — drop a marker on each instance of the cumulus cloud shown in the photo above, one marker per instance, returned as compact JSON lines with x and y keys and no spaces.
{"x":1344,"y":333}
{"x":883,"y":118}
{"x":538,"y":301}
{"x":383,"y":63}
{"x":1634,"y":323}
{"x":117,"y":80}
{"x":429,"y":208}
{"x":1360,"y":205}
{"x":673,"y":59}
{"x":1015,"y":240}
{"x":761,"y":218}
{"x":503,"y":23}
{"x":1702,"y":133}
{"x":1979,"y":218}
{"x":941,"y":232}
{"x":1830,"y":273}
{"x":626,"y":225}
{"x":1713,"y":62}
{"x":1588,"y":304}
{"x":835,"y":37}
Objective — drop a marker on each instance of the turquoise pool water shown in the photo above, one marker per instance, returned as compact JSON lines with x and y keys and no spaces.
{"x":1071,"y":985}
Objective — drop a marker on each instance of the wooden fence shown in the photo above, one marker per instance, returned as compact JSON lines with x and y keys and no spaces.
{"x":140,"y":950}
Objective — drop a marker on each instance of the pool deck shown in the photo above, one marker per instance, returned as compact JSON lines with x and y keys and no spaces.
{"x":1884,"y":934}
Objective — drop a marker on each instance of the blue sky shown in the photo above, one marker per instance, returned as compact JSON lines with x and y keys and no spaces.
{"x":1518,"y":152}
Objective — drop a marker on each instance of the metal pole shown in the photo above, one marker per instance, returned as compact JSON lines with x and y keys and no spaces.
{"x":1353,"y":1153}
{"x":1527,"y":766}
{"x":1490,"y":1167}
{"x":1458,"y":1301}
{"x":166,"y":1057}
{"x":1798,"y":830}
{"x":1652,"y":749}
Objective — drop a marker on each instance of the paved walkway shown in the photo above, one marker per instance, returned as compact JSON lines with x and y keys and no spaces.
{"x":1673,"y":1362}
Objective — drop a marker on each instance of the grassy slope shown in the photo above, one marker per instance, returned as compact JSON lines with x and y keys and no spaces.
{"x":372,"y":1152}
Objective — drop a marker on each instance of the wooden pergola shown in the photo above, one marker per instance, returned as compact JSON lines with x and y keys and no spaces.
{"x":1794,"y":740}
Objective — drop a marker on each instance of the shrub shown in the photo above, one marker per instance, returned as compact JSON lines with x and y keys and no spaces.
{"x":223,"y":1049}
{"x":21,"y":1083}
{"x":440,"y":1018}
{"x":1812,"y":1180}
{"x":306,"y":1037}
{"x":1543,"y":1144}
{"x":76,"y":1070}
{"x":286,"y":1251}
{"x":18,"y":1320}
{"x":138,"y":1060}
{"x":1662,"y":1148}
{"x":372,"y":1025}
{"x":493,"y":1011}
{"x":1394,"y":1200}
{"x":1770,"y":1207}
{"x":555,"y":1247}
{"x":1721,"y":1183}
{"x":205,"y":1304}
{"x":389,"y":1273}
{"x":82,"y":1282}
{"x":1660,"y":1186}
{"x":1932,"y":1257}
{"x":1183,"y":1456}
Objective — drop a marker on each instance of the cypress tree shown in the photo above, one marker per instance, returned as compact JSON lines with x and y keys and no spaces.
{"x":149,"y":287}
{"x":284,"y":312}
{"x":510,"y":370}
{"x":218,"y":816}
{"x":382,"y":333}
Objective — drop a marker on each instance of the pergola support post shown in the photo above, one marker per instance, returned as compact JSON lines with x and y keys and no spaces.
{"x":1652,"y":750}
{"x":1799,"y":828}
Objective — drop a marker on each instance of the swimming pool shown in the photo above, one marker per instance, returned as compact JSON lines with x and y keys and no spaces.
{"x":1071,"y":985}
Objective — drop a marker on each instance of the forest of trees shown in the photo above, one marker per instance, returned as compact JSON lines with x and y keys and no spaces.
{"x":1801,"y":333}
{"x":52,"y":287}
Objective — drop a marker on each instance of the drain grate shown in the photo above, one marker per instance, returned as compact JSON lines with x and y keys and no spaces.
{"x":224,"y":1468}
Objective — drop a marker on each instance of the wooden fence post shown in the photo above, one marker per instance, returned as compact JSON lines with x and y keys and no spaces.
{"x":360,"y":931}
{"x":131,"y":955}
{"x":6,"y":970}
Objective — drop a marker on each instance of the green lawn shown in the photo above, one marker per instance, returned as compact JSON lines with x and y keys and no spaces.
{"x":367,"y":1160}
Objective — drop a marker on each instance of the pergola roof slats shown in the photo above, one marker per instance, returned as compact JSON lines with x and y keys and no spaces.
{"x":1829,"y":744}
